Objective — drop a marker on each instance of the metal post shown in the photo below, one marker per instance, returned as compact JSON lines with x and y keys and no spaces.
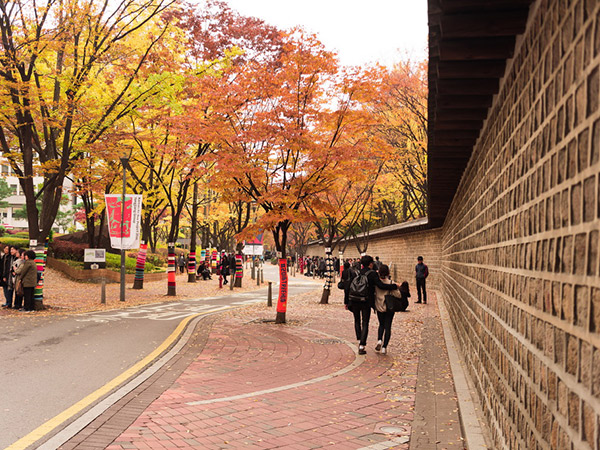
{"x":270,"y":294}
{"x":124,"y":161}
{"x":253,"y":273}
{"x":103,"y":291}
{"x":257,"y":277}
{"x":262,"y":277}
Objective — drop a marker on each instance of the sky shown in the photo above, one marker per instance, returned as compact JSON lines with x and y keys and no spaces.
{"x":360,"y":31}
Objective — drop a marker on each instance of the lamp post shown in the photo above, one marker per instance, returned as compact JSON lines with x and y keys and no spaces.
{"x":124,"y":162}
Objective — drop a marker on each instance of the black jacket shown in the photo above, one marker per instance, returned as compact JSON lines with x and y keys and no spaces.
{"x":6,"y":265}
{"x":374,"y":281}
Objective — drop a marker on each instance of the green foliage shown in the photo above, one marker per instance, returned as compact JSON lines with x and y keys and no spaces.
{"x":21,"y":234}
{"x":2,"y":231}
{"x":15,"y":242}
{"x":156,"y":259}
{"x":5,"y":191}
{"x":274,"y":261}
{"x":114,"y":262}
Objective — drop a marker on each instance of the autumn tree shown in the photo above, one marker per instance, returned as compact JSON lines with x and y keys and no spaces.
{"x":274,"y":138}
{"x":402,"y":109}
{"x":346,"y":203}
{"x":51,"y":54}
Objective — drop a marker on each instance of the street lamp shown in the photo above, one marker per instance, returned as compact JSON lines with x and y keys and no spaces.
{"x":124,"y":163}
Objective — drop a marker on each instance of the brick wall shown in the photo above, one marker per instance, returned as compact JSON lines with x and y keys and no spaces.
{"x":520,"y":243}
{"x":519,"y":265}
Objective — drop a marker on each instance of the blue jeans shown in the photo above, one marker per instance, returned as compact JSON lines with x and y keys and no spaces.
{"x":8,"y":295}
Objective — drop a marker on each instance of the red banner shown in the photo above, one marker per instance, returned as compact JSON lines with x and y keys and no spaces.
{"x":283,"y":286}
{"x":113,"y":208}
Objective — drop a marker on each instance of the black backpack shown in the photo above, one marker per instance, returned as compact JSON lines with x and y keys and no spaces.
{"x":359,"y":287}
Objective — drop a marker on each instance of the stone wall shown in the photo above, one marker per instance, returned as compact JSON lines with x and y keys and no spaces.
{"x":520,"y":243}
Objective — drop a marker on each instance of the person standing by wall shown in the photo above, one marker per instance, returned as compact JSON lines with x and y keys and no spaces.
{"x":421,"y":274}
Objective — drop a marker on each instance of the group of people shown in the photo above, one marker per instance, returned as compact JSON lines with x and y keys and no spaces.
{"x":19,"y":277}
{"x":366,"y":285}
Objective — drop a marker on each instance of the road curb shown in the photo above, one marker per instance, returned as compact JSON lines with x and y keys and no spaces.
{"x":140,"y":373}
{"x":472,"y":429}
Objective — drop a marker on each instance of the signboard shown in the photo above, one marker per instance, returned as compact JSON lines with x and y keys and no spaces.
{"x":94,"y":258}
{"x":132,"y":216}
{"x":94,"y":255}
{"x":253,"y":250}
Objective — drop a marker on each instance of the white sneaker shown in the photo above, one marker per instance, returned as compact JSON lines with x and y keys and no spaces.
{"x":383,"y":351}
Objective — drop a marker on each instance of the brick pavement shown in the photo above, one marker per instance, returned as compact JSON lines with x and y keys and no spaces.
{"x":244,"y":383}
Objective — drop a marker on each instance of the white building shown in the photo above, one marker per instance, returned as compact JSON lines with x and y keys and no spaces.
{"x":17,"y":201}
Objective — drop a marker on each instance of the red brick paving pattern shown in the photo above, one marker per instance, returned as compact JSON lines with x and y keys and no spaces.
{"x":243,"y":357}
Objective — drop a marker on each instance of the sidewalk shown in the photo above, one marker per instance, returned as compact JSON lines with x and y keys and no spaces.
{"x":241,"y":382}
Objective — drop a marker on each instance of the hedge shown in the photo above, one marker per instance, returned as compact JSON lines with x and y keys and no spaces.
{"x":14,"y":241}
{"x":68,"y":250}
{"x":114,"y":262}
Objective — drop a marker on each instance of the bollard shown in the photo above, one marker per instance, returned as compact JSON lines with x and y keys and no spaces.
{"x":220,"y":281}
{"x":252,"y":275}
{"x":231,"y":281}
{"x":262,"y":277}
{"x":270,"y":294}
{"x":257,"y":277}
{"x":103,"y":291}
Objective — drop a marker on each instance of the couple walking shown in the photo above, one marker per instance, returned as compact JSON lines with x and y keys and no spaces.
{"x":365,"y":291}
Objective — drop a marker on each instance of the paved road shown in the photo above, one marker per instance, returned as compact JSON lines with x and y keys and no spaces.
{"x":49,"y":364}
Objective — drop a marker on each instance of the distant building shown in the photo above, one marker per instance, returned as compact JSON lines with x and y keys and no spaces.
{"x":17,"y":201}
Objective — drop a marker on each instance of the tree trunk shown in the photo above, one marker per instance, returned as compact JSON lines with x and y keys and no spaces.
{"x":140,"y":266}
{"x":194,"y":232}
{"x":280,"y":236}
{"x":171,"y":268}
{"x":328,"y":275}
{"x":238,"y":255}
{"x":41,"y":252}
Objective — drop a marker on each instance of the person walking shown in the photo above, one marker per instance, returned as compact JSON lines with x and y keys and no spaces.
{"x":224,"y":266}
{"x":28,"y":273}
{"x":421,"y":274}
{"x":362,"y":299}
{"x":181,"y":263}
{"x":385,"y":316}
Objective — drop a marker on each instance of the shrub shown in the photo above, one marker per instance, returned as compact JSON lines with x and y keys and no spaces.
{"x":114,"y":262}
{"x":155,"y":259}
{"x":15,"y":242}
{"x":68,"y":250}
{"x":21,"y":234}
{"x":2,"y":231}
